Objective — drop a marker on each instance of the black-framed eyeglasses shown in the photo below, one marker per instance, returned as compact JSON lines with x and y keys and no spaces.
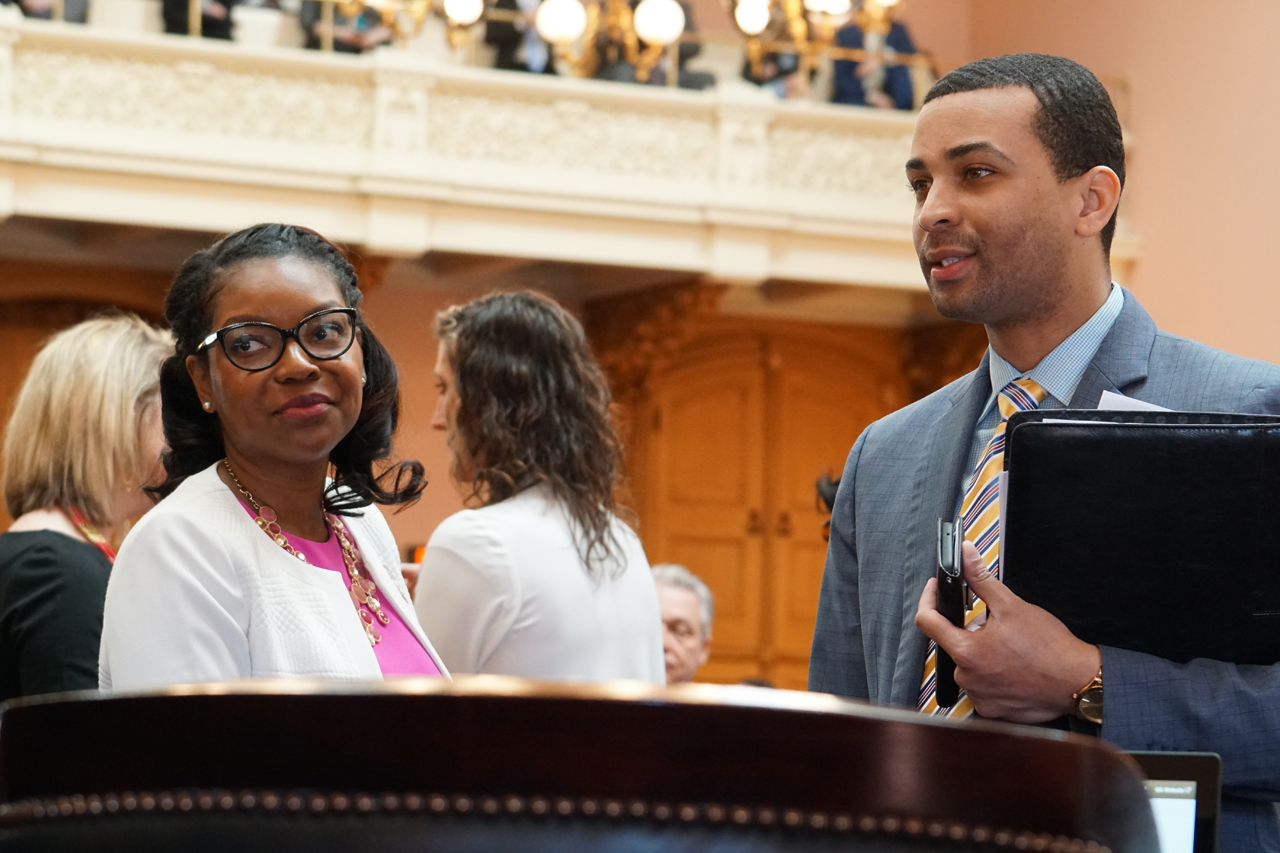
{"x":324,"y":335}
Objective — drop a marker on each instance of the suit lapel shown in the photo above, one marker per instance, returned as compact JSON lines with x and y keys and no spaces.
{"x":1122,"y":358}
{"x":937,"y":491}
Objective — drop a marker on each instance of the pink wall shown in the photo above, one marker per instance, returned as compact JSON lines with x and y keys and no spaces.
{"x":401,"y":317}
{"x":943,"y":28}
{"x":1204,"y":118}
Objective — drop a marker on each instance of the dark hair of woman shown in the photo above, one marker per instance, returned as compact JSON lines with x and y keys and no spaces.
{"x":533,"y":407}
{"x":195,"y":438}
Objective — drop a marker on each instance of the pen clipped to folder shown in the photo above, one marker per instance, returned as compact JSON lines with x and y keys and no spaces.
{"x":951,"y":604}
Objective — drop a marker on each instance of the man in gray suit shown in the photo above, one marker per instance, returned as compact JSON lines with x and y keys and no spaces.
{"x":1017,"y":166}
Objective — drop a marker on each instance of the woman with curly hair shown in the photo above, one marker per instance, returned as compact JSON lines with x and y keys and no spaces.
{"x":266,"y":557}
{"x":542,"y":579}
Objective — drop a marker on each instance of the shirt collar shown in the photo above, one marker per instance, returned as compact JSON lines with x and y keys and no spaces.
{"x":1059,"y":372}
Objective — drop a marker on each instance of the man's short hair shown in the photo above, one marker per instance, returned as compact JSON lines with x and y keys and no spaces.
{"x":1076,"y":123}
{"x":675,"y":575}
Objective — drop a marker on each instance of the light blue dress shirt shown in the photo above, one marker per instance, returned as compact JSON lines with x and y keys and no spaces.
{"x":1058,"y":373}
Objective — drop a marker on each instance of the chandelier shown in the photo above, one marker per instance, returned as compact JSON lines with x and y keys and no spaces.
{"x":581,"y":33}
{"x":808,"y":28}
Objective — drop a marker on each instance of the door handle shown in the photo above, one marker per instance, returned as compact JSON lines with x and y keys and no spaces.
{"x":755,"y":523}
{"x":784,"y":523}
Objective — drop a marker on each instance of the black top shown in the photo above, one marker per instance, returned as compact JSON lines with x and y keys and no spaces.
{"x":52,"y":591}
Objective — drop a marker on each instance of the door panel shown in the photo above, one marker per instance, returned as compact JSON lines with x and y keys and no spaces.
{"x":740,"y":431}
{"x":708,"y":440}
{"x":820,"y":403}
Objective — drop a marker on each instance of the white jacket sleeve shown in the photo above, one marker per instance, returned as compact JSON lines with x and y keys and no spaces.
{"x":176,"y":612}
{"x":468,"y":593}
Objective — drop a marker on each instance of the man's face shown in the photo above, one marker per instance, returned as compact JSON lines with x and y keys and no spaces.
{"x":683,"y":646}
{"x":993,"y":224}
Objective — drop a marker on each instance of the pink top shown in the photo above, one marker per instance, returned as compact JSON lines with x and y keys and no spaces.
{"x":399,"y":653}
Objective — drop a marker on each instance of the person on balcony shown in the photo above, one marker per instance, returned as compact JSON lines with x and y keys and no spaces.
{"x":542,"y":579}
{"x":81,"y":446}
{"x":351,"y":33}
{"x":258,"y":563}
{"x":519,"y":47}
{"x":215,"y":17}
{"x":75,"y":11}
{"x":873,"y":83}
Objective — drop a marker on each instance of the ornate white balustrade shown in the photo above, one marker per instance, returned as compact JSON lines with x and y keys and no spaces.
{"x":405,"y":155}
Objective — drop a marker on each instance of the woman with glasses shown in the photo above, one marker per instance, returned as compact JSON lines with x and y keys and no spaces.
{"x":541,"y":578}
{"x":82,"y":443}
{"x":266,"y":556}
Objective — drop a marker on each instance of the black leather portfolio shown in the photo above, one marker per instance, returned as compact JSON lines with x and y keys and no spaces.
{"x":1154,"y":532}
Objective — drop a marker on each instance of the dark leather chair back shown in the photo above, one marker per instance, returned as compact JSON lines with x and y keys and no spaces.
{"x":495,"y":764}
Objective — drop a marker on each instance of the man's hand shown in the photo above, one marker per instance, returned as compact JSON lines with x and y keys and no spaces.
{"x":1023,"y":664}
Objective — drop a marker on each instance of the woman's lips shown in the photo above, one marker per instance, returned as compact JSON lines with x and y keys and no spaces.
{"x":307,"y":406}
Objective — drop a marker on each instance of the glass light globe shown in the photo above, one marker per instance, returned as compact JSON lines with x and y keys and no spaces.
{"x":752,"y":16}
{"x":463,"y":13}
{"x":659,"y":21}
{"x":829,"y":7}
{"x":561,"y":21}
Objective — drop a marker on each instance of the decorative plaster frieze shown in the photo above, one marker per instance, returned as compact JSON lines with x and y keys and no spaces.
{"x":193,"y":96}
{"x":570,"y":133}
{"x":867,"y":165}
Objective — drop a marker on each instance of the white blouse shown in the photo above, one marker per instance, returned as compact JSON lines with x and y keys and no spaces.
{"x":504,"y":590}
{"x":200,"y":593}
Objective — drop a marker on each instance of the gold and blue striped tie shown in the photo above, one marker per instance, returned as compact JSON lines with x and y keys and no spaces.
{"x":980,"y":514}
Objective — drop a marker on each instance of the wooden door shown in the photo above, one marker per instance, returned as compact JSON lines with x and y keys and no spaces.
{"x":706,"y":494}
{"x":819,"y":401}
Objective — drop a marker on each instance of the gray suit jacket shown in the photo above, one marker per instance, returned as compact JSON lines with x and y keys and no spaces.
{"x":905,"y":472}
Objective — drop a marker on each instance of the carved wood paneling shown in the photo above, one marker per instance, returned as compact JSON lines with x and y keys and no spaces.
{"x":635,"y":333}
{"x":940,"y":354}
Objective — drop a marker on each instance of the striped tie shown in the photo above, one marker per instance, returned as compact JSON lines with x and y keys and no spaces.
{"x":980,"y":514}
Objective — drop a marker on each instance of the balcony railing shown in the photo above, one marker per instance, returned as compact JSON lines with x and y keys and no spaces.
{"x":405,"y":155}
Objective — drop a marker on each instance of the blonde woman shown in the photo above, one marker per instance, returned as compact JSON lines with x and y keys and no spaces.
{"x":83,"y":441}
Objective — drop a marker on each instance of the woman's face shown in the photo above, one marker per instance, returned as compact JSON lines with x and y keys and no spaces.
{"x":297,"y":410}
{"x":446,"y":415}
{"x":130,"y":500}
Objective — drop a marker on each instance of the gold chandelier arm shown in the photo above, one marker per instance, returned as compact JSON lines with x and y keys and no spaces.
{"x":646,"y":60}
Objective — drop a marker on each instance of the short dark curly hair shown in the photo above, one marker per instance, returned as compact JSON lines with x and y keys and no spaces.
{"x":195,"y":437}
{"x":533,"y":407}
{"x":1077,"y":122}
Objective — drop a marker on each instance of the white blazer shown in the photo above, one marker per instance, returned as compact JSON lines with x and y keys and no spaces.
{"x":200,"y":593}
{"x":504,"y":590}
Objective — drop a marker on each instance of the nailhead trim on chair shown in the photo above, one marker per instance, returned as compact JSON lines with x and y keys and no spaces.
{"x":38,"y":809}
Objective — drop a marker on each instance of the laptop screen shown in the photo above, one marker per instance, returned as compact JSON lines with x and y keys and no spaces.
{"x":1173,"y":802}
{"x":1185,"y":790}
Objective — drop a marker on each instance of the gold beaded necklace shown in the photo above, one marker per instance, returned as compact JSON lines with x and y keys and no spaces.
{"x":362,"y":589}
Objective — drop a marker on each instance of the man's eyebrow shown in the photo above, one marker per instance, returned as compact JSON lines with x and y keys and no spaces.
{"x":916,"y":164}
{"x":970,"y":147}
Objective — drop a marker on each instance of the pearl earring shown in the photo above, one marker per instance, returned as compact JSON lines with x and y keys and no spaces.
{"x":364,"y":380}
{"x":208,"y":407}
